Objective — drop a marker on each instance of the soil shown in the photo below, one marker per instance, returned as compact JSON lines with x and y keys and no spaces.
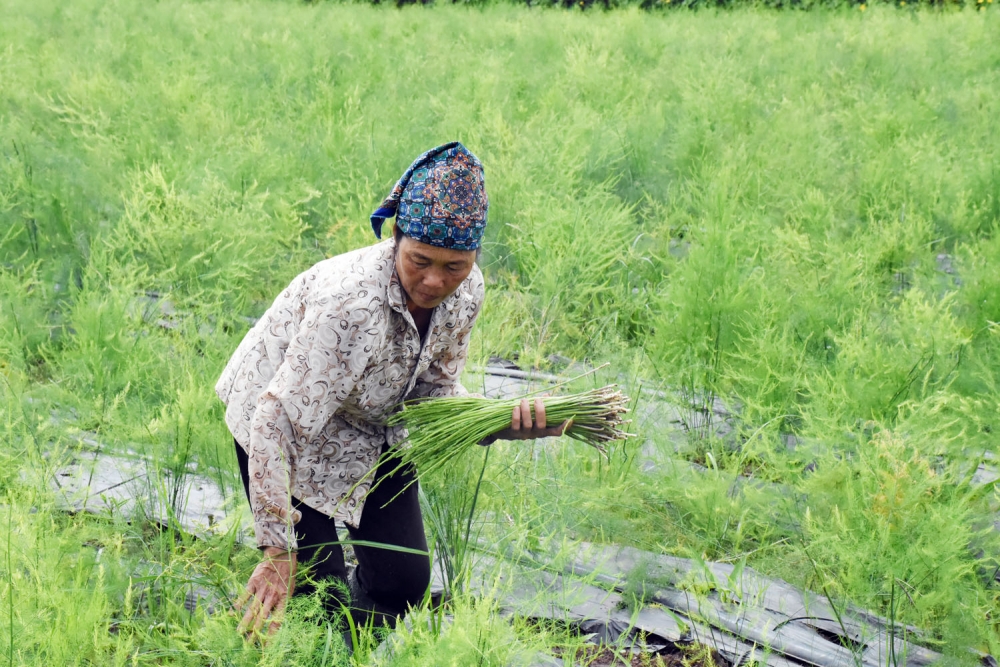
{"x":675,"y":656}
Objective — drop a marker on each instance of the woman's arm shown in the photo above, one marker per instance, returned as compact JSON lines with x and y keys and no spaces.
{"x":271,"y":464}
{"x":324,"y":361}
{"x":322,"y":364}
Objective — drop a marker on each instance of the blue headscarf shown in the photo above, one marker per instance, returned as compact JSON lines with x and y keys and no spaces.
{"x":440,"y":200}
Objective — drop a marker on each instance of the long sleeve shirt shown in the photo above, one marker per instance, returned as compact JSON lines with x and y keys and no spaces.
{"x":309,"y":388}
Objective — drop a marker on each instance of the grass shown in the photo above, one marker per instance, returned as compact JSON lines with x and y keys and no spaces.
{"x":794,"y":214}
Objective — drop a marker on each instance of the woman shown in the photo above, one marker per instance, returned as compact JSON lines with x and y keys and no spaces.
{"x":308,"y":390}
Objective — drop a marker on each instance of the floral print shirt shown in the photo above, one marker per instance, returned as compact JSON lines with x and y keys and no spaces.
{"x":309,"y":388}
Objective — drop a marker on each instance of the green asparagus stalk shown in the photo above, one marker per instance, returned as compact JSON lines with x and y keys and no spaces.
{"x":442,"y":429}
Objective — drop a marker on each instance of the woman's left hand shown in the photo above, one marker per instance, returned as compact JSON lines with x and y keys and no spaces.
{"x":522,"y":427}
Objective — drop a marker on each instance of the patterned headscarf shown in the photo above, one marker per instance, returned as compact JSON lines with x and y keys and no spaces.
{"x":440,"y":200}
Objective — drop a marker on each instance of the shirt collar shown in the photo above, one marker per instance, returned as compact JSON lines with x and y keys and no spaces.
{"x":397,"y":298}
{"x":451,"y":302}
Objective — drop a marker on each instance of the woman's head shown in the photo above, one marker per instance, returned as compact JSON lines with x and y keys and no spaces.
{"x":440,"y":200}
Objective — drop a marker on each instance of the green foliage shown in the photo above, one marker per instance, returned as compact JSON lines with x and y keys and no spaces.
{"x":890,"y":520}
{"x":206,"y":246}
{"x":475,"y":635}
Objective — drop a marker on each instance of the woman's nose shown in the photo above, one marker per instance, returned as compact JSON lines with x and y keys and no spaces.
{"x":434,"y":279}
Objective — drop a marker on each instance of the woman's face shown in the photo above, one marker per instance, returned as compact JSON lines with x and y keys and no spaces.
{"x":429,"y":274}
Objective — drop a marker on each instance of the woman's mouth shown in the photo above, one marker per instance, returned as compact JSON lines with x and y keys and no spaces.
{"x":427,"y":298}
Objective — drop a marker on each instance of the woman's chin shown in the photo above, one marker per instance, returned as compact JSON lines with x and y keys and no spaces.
{"x":425,"y":302}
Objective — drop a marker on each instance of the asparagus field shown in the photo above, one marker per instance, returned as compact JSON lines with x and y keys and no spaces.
{"x":780,"y":230}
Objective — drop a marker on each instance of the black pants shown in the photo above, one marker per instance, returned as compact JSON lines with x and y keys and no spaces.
{"x":391,"y":579}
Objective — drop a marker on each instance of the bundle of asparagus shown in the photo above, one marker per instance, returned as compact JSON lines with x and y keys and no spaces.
{"x":442,"y":429}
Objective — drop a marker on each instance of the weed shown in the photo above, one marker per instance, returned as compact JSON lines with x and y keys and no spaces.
{"x":449,"y":506}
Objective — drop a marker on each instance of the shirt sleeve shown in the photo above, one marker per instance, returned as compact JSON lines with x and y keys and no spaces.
{"x":324,"y":361}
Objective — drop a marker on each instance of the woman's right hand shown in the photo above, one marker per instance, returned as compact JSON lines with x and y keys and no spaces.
{"x":267,"y":592}
{"x":522,"y":427}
